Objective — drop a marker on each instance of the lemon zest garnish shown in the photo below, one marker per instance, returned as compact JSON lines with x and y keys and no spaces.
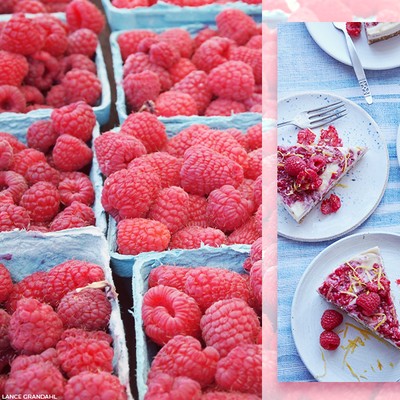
{"x":380,"y":366}
{"x":345,"y":332}
{"x":391,"y":364}
{"x":341,"y":185}
{"x":325,"y":370}
{"x":363,"y":377}
{"x":372,"y":368}
{"x":352,"y":372}
{"x":381,"y":322}
{"x":349,"y":293}
{"x":380,"y":286}
{"x":351,"y":346}
{"x":366,"y":334}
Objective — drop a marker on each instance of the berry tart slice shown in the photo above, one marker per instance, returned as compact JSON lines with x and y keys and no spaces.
{"x":361,"y":288}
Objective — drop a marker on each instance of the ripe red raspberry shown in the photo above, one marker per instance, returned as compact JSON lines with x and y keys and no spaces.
{"x":255,"y":42}
{"x":164,"y":54}
{"x":229,"y":396}
{"x":25,"y":159}
{"x":42,"y":201}
{"x":308,"y":179}
{"x":21,"y":35}
{"x":128,"y":41}
{"x":256,"y":282}
{"x":79,"y":189}
{"x":180,"y":38}
{"x":246,"y":189}
{"x":77,"y":119}
{"x":42,"y":172}
{"x":205,"y":170}
{"x":6,"y":155}
{"x":368,"y":303}
{"x":196,"y":85}
{"x":129,"y":193}
{"x":227,"y":209}
{"x":147,"y":128}
{"x":87,"y":309}
{"x":6,"y":7}
{"x":77,"y":354}
{"x":353,"y":28}
{"x":6,"y":285}
{"x":16,"y":145}
{"x":239,"y":137}
{"x":193,"y":237}
{"x":139,"y":235}
{"x":183,"y":356}
{"x":229,"y":323}
{"x":294,"y":165}
{"x":43,"y":68}
{"x":96,"y":384}
{"x":329,"y":340}
{"x":251,"y":57}
{"x":140,"y":88}
{"x":317,"y":163}
{"x":166,"y":167}
{"x":84,"y":14}
{"x":224,"y":107}
{"x":208,"y":285}
{"x":56,"y":96}
{"x":331,"y":319}
{"x":56,"y":42}
{"x":170,"y":104}
{"x":76,"y":215}
{"x":81,"y":333}
{"x":130,"y":3}
{"x":71,"y":153}
{"x":82,"y":85}
{"x":75,"y":61}
{"x":11,"y":99}
{"x":305,"y":136}
{"x":181,"y":69}
{"x":168,"y":275}
{"x":330,"y":205}
{"x":30,"y":6}
{"x":203,"y":35}
{"x":256,"y":251}
{"x":41,"y":135}
{"x":34,"y":327}
{"x":114,"y":151}
{"x":248,"y":233}
{"x":14,"y":68}
{"x":254,"y":137}
{"x":13,"y":217}
{"x":236,"y":25}
{"x":6,"y":198}
{"x":22,"y":362}
{"x":171,"y":208}
{"x":14,"y":183}
{"x":197,"y":211}
{"x":82,"y":41}
{"x":4,"y":324}
{"x":257,"y":190}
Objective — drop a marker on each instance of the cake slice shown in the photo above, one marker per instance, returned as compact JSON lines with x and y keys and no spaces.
{"x":378,"y":31}
{"x":306,"y":173}
{"x":361,"y":288}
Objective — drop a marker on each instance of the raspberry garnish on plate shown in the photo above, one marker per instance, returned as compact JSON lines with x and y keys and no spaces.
{"x":329,"y":340}
{"x":331,"y":204}
{"x":331,"y":319}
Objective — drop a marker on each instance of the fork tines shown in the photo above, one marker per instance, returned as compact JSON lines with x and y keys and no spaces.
{"x":327,"y":114}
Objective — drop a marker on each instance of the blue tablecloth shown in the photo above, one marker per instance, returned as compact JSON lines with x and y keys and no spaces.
{"x":303,"y":66}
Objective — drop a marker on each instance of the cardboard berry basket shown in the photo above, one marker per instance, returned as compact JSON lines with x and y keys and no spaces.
{"x":18,"y":128}
{"x":118,"y":73}
{"x":231,"y":258}
{"x":24,"y":253}
{"x":122,"y":264}
{"x":170,"y":15}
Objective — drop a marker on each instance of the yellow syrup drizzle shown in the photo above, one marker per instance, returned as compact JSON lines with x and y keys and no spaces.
{"x":351,"y":346}
{"x":352,"y":372}
{"x":380,"y":366}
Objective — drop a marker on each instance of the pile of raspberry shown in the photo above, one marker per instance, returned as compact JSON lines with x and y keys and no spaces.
{"x":45,"y":187}
{"x":202,"y":186}
{"x":207,"y":322}
{"x":181,"y":3}
{"x":218,"y":72}
{"x":54,"y":336}
{"x":33,"y":6}
{"x":47,"y":63}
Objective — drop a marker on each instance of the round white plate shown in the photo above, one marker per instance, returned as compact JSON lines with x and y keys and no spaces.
{"x":360,"y":190}
{"x":377,"y":56}
{"x":377,"y":360}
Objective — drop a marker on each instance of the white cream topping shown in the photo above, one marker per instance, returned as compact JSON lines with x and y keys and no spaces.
{"x":382,"y":29}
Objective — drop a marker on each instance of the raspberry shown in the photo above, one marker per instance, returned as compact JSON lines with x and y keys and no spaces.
{"x":83,"y":14}
{"x":16,"y":145}
{"x":82,"y":41}
{"x":294,"y":165}
{"x":317,"y":163}
{"x":205,"y":170}
{"x":196,"y":85}
{"x":21,"y":35}
{"x":56,"y":43}
{"x":193,"y":237}
{"x":164,"y":54}
{"x":147,"y":128}
{"x":353,"y":28}
{"x":140,"y":88}
{"x":330,"y":205}
{"x":256,"y":250}
{"x":212,"y":53}
{"x":168,"y":275}
{"x":129,"y":193}
{"x":14,"y":68}
{"x":76,"y":61}
{"x":179,"y":38}
{"x":181,"y":69}
{"x":30,"y":6}
{"x":76,"y":215}
{"x":88,"y":309}
{"x":38,"y":228}
{"x":82,"y":85}
{"x":43,"y":68}
{"x":257,"y":190}
{"x":229,"y":396}
{"x":246,"y":190}
{"x":236,"y":25}
{"x":254,"y":137}
{"x":81,"y":333}
{"x":71,"y":153}
{"x":248,"y":233}
{"x":229,"y":323}
{"x":329,"y":340}
{"x":255,"y":42}
{"x":227,"y":209}
{"x":256,"y":282}
{"x":330,"y":137}
{"x":42,"y":172}
{"x":305,"y":136}
{"x":33,"y":96}
{"x":114,"y":151}
{"x":208,"y":285}
{"x":138,"y":235}
{"x":254,"y":102}
{"x":204,"y":35}
{"x":251,"y":57}
{"x":178,"y":388}
{"x":77,"y":354}
{"x":13,"y":217}
{"x":79,"y":189}
{"x":170,"y":104}
{"x":14,"y":183}
{"x":166,"y":167}
{"x":4,"y":324}
{"x":368,"y":303}
{"x":224,"y":107}
{"x":130,"y":3}
{"x":331,"y":319}
{"x":308,"y":179}
{"x":239,"y":137}
{"x":6,"y":155}
{"x":6,"y":285}
{"x":183,"y":356}
{"x":22,"y":362}
{"x":170,"y":208}
{"x":11,"y":99}
{"x":6,"y":198}
{"x":128,"y":41}
{"x":197,"y":211}
{"x":6,"y":7}
{"x":34,"y":327}
{"x":96,"y":385}
{"x":56,"y":96}
{"x":41,"y":136}
{"x":56,"y":7}
{"x":25,"y":159}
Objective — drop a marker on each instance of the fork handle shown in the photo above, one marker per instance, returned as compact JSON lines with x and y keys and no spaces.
{"x":285,"y":123}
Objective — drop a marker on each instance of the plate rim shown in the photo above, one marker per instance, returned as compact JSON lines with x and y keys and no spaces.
{"x":304,"y":276}
{"x":383,"y":141}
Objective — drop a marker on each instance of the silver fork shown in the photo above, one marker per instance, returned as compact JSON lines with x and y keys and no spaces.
{"x":317,"y":116}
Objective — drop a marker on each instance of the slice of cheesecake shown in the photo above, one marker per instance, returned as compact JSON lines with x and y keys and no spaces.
{"x":378,"y":31}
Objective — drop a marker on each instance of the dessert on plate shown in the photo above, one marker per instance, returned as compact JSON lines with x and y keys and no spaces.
{"x":361,"y":288}
{"x":378,"y":31}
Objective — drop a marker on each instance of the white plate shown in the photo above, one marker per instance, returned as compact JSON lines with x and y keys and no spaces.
{"x":377,"y":56}
{"x":308,"y":307}
{"x":360,"y":190}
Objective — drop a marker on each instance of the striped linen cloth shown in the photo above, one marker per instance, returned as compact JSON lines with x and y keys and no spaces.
{"x":303,"y":66}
